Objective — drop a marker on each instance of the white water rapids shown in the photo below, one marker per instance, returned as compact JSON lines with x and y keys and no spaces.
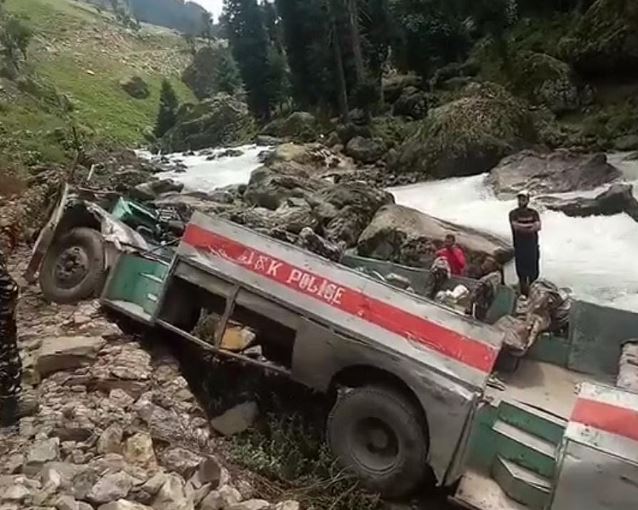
{"x":597,"y":257}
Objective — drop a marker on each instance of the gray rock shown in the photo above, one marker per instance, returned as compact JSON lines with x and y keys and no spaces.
{"x":111,"y":487}
{"x":251,"y":504}
{"x":412,"y":103}
{"x":122,"y":504}
{"x":180,"y":460}
{"x":65,"y":502}
{"x":135,"y":87}
{"x":155,"y":483}
{"x":311,"y":241}
{"x":139,"y":450}
{"x":617,"y":199}
{"x":110,"y":441}
{"x":221,"y":499}
{"x":554,"y":172}
{"x":400,"y":234}
{"x":268,"y":141}
{"x":214,"y":122}
{"x":626,"y":143}
{"x":172,"y":496}
{"x":14,"y":464}
{"x":366,"y":150}
{"x":39,"y":454}
{"x":65,"y":353}
{"x":287,"y":505}
{"x":236,"y":420}
{"x":149,"y":191}
{"x":298,"y":126}
{"x":17,"y":493}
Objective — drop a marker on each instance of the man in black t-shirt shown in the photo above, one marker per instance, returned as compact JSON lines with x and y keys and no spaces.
{"x":526,"y":224}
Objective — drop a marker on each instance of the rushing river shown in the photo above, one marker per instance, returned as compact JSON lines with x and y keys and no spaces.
{"x":596,"y":257}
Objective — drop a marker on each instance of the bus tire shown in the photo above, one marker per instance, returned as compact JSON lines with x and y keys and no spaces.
{"x":380,"y":436}
{"x":74,"y":267}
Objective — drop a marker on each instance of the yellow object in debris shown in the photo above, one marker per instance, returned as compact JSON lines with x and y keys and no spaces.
{"x":237,"y":339}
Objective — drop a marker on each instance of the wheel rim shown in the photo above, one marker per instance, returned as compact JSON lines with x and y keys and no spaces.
{"x":71,"y":267}
{"x":375,"y":444}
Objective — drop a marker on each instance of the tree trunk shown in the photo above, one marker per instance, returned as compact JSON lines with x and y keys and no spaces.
{"x":341,"y":76}
{"x":353,"y":14}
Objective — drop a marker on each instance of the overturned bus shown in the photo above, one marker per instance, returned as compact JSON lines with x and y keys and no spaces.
{"x":409,"y":377}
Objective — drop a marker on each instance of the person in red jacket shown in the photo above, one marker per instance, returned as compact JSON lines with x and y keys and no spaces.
{"x":454,"y":256}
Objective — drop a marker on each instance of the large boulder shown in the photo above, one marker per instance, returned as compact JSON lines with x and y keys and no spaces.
{"x":617,"y":199}
{"x":312,"y":158}
{"x":412,"y":103}
{"x":604,"y":41}
{"x":218,"y":121}
{"x":547,"y":81}
{"x":270,"y":188}
{"x":400,"y":234}
{"x":553,"y":172}
{"x":366,"y":150}
{"x":135,"y":87}
{"x":298,"y":126}
{"x":393,"y":86}
{"x":204,"y":76}
{"x":468,"y":136}
{"x":346,"y":209}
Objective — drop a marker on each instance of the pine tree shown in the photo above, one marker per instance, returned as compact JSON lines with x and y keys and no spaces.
{"x":226,"y":76}
{"x":167,"y":115}
{"x":250,"y":47}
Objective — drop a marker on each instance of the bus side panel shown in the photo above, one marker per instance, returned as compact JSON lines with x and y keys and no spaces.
{"x":320,"y":354}
{"x":594,"y":480}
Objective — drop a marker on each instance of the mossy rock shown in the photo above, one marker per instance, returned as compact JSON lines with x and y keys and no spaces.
{"x":545,"y":80}
{"x":468,"y":136}
{"x":135,"y":87}
{"x":298,"y":127}
{"x":605,"y":39}
{"x":219,"y":121}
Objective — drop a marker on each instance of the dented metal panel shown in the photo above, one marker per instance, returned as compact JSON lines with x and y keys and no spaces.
{"x":399,"y":321}
{"x":590,"y":479}
{"x":599,"y":456}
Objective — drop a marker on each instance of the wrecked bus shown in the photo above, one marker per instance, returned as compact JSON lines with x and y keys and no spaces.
{"x":410,"y":378}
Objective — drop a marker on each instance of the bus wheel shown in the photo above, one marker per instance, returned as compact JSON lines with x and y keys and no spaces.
{"x":380,"y":436}
{"x":73,"y":268}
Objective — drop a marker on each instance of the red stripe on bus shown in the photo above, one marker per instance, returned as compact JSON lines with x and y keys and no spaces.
{"x":606,"y":417}
{"x":438,"y":338}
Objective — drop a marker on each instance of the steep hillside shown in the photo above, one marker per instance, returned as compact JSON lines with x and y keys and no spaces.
{"x":76,"y":61}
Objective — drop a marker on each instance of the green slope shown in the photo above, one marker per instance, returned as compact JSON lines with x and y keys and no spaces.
{"x":82,"y":54}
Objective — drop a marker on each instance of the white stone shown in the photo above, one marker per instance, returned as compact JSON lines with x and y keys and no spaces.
{"x":111,"y":487}
{"x":236,"y":420}
{"x":172,"y":496}
{"x":41,"y":452}
{"x":66,"y":502}
{"x":220,"y":499}
{"x":251,"y":504}
{"x":122,"y":504}
{"x":287,"y":505}
{"x":64,"y":353}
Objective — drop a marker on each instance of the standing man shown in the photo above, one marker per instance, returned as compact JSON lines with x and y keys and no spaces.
{"x":454,"y":256}
{"x":526,"y":224}
{"x":12,"y":406}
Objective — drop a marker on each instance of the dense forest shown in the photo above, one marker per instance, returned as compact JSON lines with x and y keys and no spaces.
{"x":180,"y":15}
{"x":433,"y":87}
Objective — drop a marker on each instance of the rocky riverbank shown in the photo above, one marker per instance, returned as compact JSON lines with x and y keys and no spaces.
{"x":118,"y":427}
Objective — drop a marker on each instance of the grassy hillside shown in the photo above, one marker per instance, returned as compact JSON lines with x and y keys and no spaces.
{"x":77,"y":58}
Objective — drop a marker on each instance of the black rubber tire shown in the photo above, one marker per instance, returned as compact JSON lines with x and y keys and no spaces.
{"x":408,"y":472}
{"x":92,"y":244}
